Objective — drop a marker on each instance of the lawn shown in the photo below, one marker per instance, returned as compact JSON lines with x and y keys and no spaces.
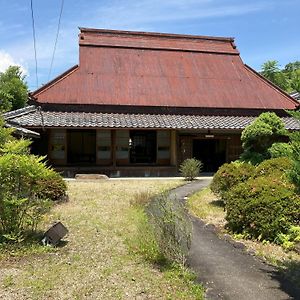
{"x":95,"y":262}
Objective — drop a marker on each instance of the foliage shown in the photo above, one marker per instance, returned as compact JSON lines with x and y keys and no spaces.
{"x":51,"y":186}
{"x":287,"y":78}
{"x":13,"y":89}
{"x":259,"y":136}
{"x":289,"y":239}
{"x":229,"y":175}
{"x":280,"y":150}
{"x":172,"y":227}
{"x":275,"y":166}
{"x":262,"y":208}
{"x":272,"y":72}
{"x":5,"y":133}
{"x":26,"y":186}
{"x":190,"y":168}
{"x":15,"y":146}
{"x":20,"y":207}
{"x":294,"y":173}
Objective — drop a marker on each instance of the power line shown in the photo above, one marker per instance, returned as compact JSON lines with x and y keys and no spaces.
{"x":34,"y":44}
{"x":57,"y":34}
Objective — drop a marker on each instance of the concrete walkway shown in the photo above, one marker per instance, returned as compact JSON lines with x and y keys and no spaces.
{"x":227,"y":271}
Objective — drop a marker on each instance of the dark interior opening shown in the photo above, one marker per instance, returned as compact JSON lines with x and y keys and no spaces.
{"x":212,"y":153}
{"x":143,"y":146}
{"x":39,"y":145}
{"x":81,"y":146}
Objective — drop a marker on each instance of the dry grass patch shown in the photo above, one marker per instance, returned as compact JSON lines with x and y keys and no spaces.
{"x":95,"y":263}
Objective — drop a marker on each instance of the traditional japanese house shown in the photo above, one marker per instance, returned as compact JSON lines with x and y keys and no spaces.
{"x":139,"y":103}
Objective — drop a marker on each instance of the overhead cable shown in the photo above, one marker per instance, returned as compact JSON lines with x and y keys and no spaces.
{"x":34,"y":44}
{"x":56,"y":39}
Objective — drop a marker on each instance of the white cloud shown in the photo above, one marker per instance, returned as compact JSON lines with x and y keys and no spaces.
{"x":7,"y":60}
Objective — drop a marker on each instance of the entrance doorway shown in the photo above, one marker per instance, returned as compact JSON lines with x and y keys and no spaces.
{"x":142,"y":146}
{"x":81,"y":146}
{"x":212,"y":153}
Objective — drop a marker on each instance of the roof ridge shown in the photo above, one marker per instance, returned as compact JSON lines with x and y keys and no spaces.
{"x":19,"y":112}
{"x":155,"y":34}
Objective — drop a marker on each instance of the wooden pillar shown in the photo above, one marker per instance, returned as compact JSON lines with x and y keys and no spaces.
{"x":173,"y":147}
{"x":113,"y":147}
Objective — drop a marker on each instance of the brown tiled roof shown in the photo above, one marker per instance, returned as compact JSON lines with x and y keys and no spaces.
{"x":36,"y":118}
{"x":153,"y":69}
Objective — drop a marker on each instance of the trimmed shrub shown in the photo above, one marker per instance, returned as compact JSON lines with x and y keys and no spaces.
{"x":229,"y":175}
{"x":190,"y":168}
{"x":274,"y":166}
{"x":51,"y":186}
{"x":280,"y":150}
{"x":259,"y":136}
{"x":262,"y":208}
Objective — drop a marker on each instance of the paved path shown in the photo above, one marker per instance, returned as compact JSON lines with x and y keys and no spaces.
{"x":227,"y":271}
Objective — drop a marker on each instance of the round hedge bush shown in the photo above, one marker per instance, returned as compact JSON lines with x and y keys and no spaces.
{"x":230,"y":175}
{"x":52,"y":186}
{"x":262,"y":208}
{"x":279,"y":166}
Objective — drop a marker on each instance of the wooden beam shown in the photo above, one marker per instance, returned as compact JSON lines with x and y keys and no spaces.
{"x":173,"y":148}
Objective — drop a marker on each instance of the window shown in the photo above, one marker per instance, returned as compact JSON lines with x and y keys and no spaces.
{"x":142,"y":146}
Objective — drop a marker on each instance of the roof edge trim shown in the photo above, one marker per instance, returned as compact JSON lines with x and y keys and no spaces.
{"x":275,"y":87}
{"x":160,"y":49}
{"x":19,"y":112}
{"x":155,"y":34}
{"x":54,"y":81}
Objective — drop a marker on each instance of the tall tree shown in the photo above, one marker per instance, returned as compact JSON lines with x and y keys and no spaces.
{"x":292,"y":71}
{"x":271,"y":70}
{"x":13,"y":89}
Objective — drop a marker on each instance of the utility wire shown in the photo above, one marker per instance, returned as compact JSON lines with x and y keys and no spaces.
{"x":34,"y":44}
{"x":57,"y":34}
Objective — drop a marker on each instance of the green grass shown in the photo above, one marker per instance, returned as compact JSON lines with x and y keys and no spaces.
{"x":96,"y":262}
{"x":206,"y":206}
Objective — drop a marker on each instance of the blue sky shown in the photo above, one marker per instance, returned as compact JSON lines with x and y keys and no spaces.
{"x":264,"y":29}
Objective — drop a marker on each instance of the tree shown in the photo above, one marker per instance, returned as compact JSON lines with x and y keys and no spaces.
{"x":292,"y":71}
{"x":13,"y":89}
{"x":288,"y":78}
{"x":260,"y":135}
{"x":272,"y":72}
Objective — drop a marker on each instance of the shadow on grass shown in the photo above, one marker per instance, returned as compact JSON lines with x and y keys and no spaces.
{"x":288,"y":276}
{"x":217,"y":203}
{"x":31,"y":244}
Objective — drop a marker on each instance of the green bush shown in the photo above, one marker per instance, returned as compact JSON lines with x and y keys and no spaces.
{"x":260,"y":135}
{"x":262,"y":208}
{"x":280,"y":150}
{"x":275,"y":166}
{"x":20,"y":206}
{"x":294,"y":173}
{"x":289,"y":239}
{"x":51,"y":186}
{"x":190,"y":168}
{"x":229,"y":175}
